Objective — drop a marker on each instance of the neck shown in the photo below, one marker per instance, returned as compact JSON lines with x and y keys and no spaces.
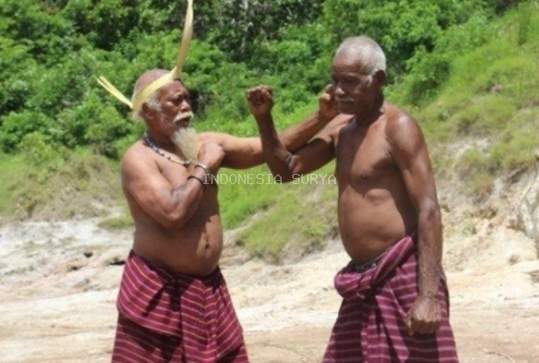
{"x":369,"y":115}
{"x":160,"y":141}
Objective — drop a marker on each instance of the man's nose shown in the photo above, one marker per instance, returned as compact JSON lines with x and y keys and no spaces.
{"x":339,"y":92}
{"x":185,"y":106}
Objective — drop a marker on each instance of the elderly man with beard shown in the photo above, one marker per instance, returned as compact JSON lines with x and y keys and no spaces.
{"x":173,"y":302}
{"x":395,"y":302}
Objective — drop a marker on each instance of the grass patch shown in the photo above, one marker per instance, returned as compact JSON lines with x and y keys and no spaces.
{"x":301,"y":219}
{"x":516,"y":149}
{"x":244,"y":192}
{"x":486,"y":115}
{"x":480,"y":186}
{"x":70,"y":184}
{"x":13,"y":170}
{"x":475,"y":161}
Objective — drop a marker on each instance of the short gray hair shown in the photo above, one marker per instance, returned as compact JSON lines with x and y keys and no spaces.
{"x":366,"y":51}
{"x":152,"y":103}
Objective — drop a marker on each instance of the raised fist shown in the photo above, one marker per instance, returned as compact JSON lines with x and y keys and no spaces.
{"x":260,"y":100}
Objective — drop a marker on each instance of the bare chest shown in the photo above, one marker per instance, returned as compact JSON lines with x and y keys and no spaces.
{"x":363,"y":156}
{"x":175,"y":173}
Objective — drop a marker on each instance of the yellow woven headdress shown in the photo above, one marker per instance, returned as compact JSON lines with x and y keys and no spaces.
{"x":140,"y":97}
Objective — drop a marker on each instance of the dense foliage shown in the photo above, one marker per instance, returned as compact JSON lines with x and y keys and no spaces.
{"x":51,"y":51}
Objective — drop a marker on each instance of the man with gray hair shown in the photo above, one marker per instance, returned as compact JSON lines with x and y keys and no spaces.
{"x":173,"y":302}
{"x":395,"y":302}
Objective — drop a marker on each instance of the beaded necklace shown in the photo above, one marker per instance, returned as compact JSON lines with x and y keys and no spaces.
{"x":149,"y":143}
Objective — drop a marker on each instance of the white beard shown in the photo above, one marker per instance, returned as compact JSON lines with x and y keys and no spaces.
{"x":186,"y":141}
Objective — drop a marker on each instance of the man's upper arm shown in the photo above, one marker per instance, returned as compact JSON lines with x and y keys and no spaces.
{"x":145,"y":184}
{"x":240,"y":152}
{"x":409,"y":150}
{"x":246,"y":152}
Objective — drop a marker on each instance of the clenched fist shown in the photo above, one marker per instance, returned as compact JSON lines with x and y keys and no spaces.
{"x":424,"y":316}
{"x":211,"y":155}
{"x":260,"y":100}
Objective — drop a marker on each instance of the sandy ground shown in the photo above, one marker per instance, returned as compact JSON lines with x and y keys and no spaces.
{"x":58,"y":289}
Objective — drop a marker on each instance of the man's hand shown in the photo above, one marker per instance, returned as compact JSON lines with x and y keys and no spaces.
{"x":260,"y":100}
{"x":211,"y":155}
{"x":327,"y":107}
{"x":425,"y":316}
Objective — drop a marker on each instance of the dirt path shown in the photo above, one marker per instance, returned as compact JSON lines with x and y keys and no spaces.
{"x":59,"y":286}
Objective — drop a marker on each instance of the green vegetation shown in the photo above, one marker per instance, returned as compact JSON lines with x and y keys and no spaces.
{"x":467,"y":70}
{"x":51,"y":52}
{"x":78,"y":183}
{"x":13,"y":170}
{"x":243,"y":193}
{"x":491,"y":93}
{"x":302,"y":212}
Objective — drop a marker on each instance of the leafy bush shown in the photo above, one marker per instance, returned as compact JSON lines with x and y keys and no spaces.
{"x":105,"y":129}
{"x":48,"y":38}
{"x":37,"y":149}
{"x":428,"y":70}
{"x":401,"y":27}
{"x":17,"y":125}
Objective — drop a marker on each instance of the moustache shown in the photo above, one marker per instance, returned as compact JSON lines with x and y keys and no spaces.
{"x":183,"y":117}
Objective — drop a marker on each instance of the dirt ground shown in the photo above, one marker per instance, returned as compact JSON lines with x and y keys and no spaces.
{"x":59,"y":284}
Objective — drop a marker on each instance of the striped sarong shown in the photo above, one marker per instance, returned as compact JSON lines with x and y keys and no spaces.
{"x":370,"y":327}
{"x":172,"y":317}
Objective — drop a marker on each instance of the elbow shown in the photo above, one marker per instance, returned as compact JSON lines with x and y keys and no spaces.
{"x":174,"y":219}
{"x":284,"y":175}
{"x":289,"y":171}
{"x":283,"y":179}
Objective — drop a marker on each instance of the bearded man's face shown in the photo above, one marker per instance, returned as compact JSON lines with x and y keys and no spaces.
{"x":175,"y":120}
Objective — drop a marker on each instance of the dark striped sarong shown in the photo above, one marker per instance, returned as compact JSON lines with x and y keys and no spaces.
{"x":172,"y":317}
{"x":370,"y":327}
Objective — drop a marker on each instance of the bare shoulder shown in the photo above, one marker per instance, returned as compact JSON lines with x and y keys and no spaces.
{"x":401,"y":128}
{"x":135,"y":158}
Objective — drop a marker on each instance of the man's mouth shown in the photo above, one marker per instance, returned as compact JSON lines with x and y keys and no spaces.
{"x":183,"y":119}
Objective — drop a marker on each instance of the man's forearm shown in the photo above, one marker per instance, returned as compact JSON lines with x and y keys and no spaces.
{"x":430,"y":252}
{"x":296,"y":136}
{"x":276,"y":155}
{"x":187,"y":197}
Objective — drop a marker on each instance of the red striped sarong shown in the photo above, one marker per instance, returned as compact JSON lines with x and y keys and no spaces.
{"x":371,"y":323}
{"x":172,"y":317}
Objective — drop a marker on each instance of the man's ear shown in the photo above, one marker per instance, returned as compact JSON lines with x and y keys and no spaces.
{"x":379,"y":78}
{"x":146,"y":112}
